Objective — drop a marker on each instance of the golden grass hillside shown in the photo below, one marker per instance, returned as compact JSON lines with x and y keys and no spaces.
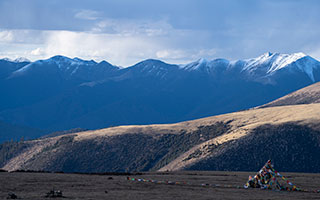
{"x":307,"y":95}
{"x":175,"y":146}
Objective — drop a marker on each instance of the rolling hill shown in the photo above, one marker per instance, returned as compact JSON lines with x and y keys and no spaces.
{"x":307,"y":95}
{"x":290,"y":135}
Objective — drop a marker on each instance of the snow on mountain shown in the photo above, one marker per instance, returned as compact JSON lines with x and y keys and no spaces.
{"x":260,"y":67}
{"x":63,"y":63}
{"x":60,"y":60}
{"x":21,"y":59}
{"x":195,"y":65}
{"x":308,"y":64}
{"x":270,"y":63}
{"x":68,"y":68}
{"x":206,"y":66}
{"x":150,"y":68}
{"x":17,"y":60}
{"x":274,"y":61}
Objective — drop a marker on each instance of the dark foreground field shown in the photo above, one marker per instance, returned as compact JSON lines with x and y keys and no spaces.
{"x":82,"y":186}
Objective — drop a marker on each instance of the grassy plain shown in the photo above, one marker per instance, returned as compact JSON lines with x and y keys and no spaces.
{"x":111,"y":186}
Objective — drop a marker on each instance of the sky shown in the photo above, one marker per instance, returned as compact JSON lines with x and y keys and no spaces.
{"x":124,"y":32}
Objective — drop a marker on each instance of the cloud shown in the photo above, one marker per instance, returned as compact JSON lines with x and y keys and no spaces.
{"x":128,"y":46}
{"x":133,"y":27}
{"x":87,"y":15}
{"x":119,"y":41}
{"x":130,"y":42}
{"x":6,"y":36}
{"x":124,"y":35}
{"x":162,"y":54}
{"x":22,"y":36}
{"x":37,"y":52}
{"x":119,"y":49}
{"x":315,"y":54}
{"x":186,"y":55}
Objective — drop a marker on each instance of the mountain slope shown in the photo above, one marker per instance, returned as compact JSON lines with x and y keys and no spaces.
{"x":290,"y":135}
{"x":62,"y":93}
{"x":307,"y":95}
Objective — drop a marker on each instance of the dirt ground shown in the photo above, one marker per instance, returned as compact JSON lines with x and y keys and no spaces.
{"x":82,"y":186}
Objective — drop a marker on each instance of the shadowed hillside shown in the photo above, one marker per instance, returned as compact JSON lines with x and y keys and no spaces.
{"x":292,"y":147}
{"x":132,"y":151}
{"x":235,"y":141}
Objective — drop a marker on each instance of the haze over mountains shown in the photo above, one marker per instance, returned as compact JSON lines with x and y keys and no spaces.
{"x":62,"y":93}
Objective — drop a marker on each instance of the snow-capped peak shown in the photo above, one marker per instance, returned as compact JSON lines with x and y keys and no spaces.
{"x":7,"y":59}
{"x":62,"y":62}
{"x":205,"y":65}
{"x":202,"y":61}
{"x":269,"y":63}
{"x":194,"y":65}
{"x":258,"y":68}
{"x":275,"y":61}
{"x":21,"y":59}
{"x":59,"y":60}
{"x":17,"y":60}
{"x":282,"y":60}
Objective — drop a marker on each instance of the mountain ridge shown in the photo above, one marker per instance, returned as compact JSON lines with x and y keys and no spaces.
{"x":63,"y":93}
{"x":276,"y":61}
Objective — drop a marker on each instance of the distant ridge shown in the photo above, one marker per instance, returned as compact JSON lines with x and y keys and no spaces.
{"x":264,"y":65}
{"x":17,"y":60}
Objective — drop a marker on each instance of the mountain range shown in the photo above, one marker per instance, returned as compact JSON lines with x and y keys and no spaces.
{"x":61,"y":93}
